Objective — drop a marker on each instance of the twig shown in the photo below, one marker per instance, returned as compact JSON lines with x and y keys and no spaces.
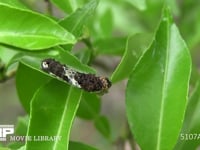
{"x":130,"y":138}
{"x":126,"y":137}
{"x":88,"y":43}
{"x":49,"y":7}
{"x":4,"y":77}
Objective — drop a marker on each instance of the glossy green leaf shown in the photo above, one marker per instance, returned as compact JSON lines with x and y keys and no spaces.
{"x":25,"y":77}
{"x":60,"y":55}
{"x":76,"y":21}
{"x":53,"y":109}
{"x":30,"y":30}
{"x":190,"y":133}
{"x":134,"y":47}
{"x":13,"y":3}
{"x":89,"y":107}
{"x":102,"y":125}
{"x":72,"y":61}
{"x":157,"y":89}
{"x":110,"y":46}
{"x":79,"y":146}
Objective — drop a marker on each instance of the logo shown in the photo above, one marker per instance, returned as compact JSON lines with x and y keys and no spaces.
{"x":5,"y":130}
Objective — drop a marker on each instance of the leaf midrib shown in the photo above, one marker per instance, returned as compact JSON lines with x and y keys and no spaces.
{"x":82,"y":17}
{"x":163,"y":96}
{"x":62,"y":119}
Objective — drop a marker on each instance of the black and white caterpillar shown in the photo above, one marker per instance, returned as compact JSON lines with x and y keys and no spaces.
{"x":87,"y":82}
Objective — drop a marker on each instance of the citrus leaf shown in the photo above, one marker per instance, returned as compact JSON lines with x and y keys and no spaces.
{"x":106,"y":23}
{"x":135,"y":45}
{"x":76,"y":145}
{"x":4,"y":148}
{"x":13,"y":3}
{"x":117,"y":47}
{"x":6,"y":54}
{"x":189,"y":135}
{"x":89,"y":107}
{"x":25,"y":77}
{"x":20,"y":130}
{"x":53,"y":109}
{"x":140,"y":4}
{"x":102,"y":125}
{"x":72,"y":61}
{"x":157,"y":89}
{"x":30,"y":30}
{"x":75,"y":22}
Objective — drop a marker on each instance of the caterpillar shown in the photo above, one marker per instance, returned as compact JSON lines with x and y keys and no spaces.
{"x":87,"y":82}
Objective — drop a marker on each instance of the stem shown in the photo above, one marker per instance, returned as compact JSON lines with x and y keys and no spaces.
{"x":130,"y":138}
{"x":126,"y":137}
{"x":49,"y":7}
{"x":120,"y":143}
{"x":88,"y":43}
{"x":4,"y":77}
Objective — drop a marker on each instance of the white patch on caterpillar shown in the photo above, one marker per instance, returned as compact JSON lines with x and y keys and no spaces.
{"x":45,"y":65}
{"x":71,"y":74}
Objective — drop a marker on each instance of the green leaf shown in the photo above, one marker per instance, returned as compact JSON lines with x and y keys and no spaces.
{"x":53,"y":109}
{"x":4,"y":148}
{"x":157,"y":89}
{"x":84,"y":55}
{"x":79,"y":146}
{"x":106,"y":23}
{"x":125,"y":66}
{"x":6,"y":54}
{"x":22,"y":148}
{"x":20,"y":130}
{"x":13,"y":3}
{"x":89,"y":107}
{"x":134,"y":47}
{"x":194,"y":76}
{"x":25,"y":77}
{"x":104,"y":46}
{"x":64,"y":57}
{"x":72,"y":61}
{"x":6,"y":69}
{"x":102,"y":125}
{"x":76,"y":21}
{"x":189,"y":135}
{"x":139,"y":4}
{"x":30,"y":30}
{"x":187,"y":17}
